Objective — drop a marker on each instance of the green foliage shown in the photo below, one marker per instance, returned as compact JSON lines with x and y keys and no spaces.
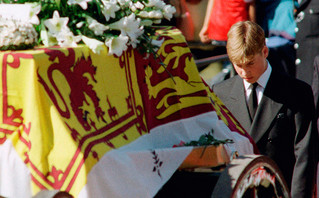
{"x":17,"y":47}
{"x":208,"y":139}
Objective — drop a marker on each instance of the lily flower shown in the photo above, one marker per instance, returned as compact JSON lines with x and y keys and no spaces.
{"x":57,"y":24}
{"x":117,"y":45}
{"x":47,"y":38}
{"x":136,"y":6}
{"x":129,"y":26}
{"x":82,"y":3}
{"x":67,"y":39}
{"x":155,"y":14}
{"x":134,"y":42}
{"x":95,"y":26}
{"x":155,"y":3}
{"x":139,"y":5}
{"x":95,"y":45}
{"x":33,"y":15}
{"x":124,"y":3}
{"x":168,"y":11}
{"x":143,"y":14}
{"x":110,"y":7}
{"x":157,"y":43}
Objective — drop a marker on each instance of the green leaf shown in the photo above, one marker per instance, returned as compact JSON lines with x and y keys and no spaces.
{"x":208,"y":139}
{"x":58,"y":3}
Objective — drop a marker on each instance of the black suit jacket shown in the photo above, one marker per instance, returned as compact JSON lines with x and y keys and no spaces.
{"x":283,"y":128}
{"x":307,"y":38}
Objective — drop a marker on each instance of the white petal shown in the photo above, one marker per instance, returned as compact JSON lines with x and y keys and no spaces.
{"x":117,"y":45}
{"x":169,"y":11}
{"x":83,"y":5}
{"x":56,"y":14}
{"x":157,"y":43}
{"x":95,"y":45}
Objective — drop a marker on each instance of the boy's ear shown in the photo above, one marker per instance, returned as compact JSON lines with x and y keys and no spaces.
{"x":265,"y":51}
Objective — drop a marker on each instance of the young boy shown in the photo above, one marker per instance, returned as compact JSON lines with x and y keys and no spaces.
{"x":283,"y":126}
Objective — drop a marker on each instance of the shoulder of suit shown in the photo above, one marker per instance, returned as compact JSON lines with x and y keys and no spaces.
{"x":294,"y":83}
{"x":226,"y":83}
{"x":223,"y":89}
{"x":293,"y":89}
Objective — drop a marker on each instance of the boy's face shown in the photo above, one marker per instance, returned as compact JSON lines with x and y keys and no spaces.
{"x":251,"y":71}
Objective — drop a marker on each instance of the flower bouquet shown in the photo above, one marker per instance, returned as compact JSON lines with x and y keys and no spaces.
{"x":116,"y":24}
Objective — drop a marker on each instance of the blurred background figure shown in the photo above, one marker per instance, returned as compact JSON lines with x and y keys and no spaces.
{"x":276,"y":17}
{"x":189,"y":17}
{"x":307,"y":38}
{"x":307,"y":49}
{"x":221,"y":15}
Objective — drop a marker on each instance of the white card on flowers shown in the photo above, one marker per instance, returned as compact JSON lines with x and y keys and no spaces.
{"x":16,"y":11}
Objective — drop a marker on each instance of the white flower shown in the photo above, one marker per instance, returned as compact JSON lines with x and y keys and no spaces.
{"x":126,"y":29}
{"x":109,"y":9}
{"x":82,"y":3}
{"x":33,"y":15}
{"x":95,"y":45}
{"x":17,"y":39}
{"x":56,"y":24}
{"x":5,"y":42}
{"x":157,"y":43}
{"x":95,"y":26}
{"x":144,"y":14}
{"x":155,"y":14}
{"x":14,"y":32}
{"x":124,"y":3}
{"x":128,"y":26}
{"x":139,"y":5}
{"x":117,"y":45}
{"x":156,"y":3}
{"x":168,"y":11}
{"x":136,"y":6}
{"x":28,"y":41}
{"x":47,"y":38}
{"x":67,"y":39}
{"x":136,"y":41}
{"x":7,"y":27}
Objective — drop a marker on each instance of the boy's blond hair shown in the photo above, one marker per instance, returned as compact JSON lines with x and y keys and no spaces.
{"x":245,"y":40}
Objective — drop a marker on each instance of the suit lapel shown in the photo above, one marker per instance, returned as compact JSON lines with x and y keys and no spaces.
{"x":238,"y":104}
{"x":267,"y":109}
{"x":265,"y":114}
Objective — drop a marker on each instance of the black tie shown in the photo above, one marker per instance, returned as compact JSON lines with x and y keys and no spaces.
{"x":252,"y":101}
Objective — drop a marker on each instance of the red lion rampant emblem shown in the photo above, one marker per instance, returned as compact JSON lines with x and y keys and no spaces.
{"x":74,"y":72}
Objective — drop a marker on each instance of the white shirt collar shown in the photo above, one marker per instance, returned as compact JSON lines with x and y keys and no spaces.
{"x":263,"y":79}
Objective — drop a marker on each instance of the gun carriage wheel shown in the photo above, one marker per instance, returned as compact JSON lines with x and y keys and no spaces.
{"x":248,"y":176}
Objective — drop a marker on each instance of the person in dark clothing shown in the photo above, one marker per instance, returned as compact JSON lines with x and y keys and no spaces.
{"x":283,"y":125}
{"x":276,"y":17}
{"x":307,"y":38}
